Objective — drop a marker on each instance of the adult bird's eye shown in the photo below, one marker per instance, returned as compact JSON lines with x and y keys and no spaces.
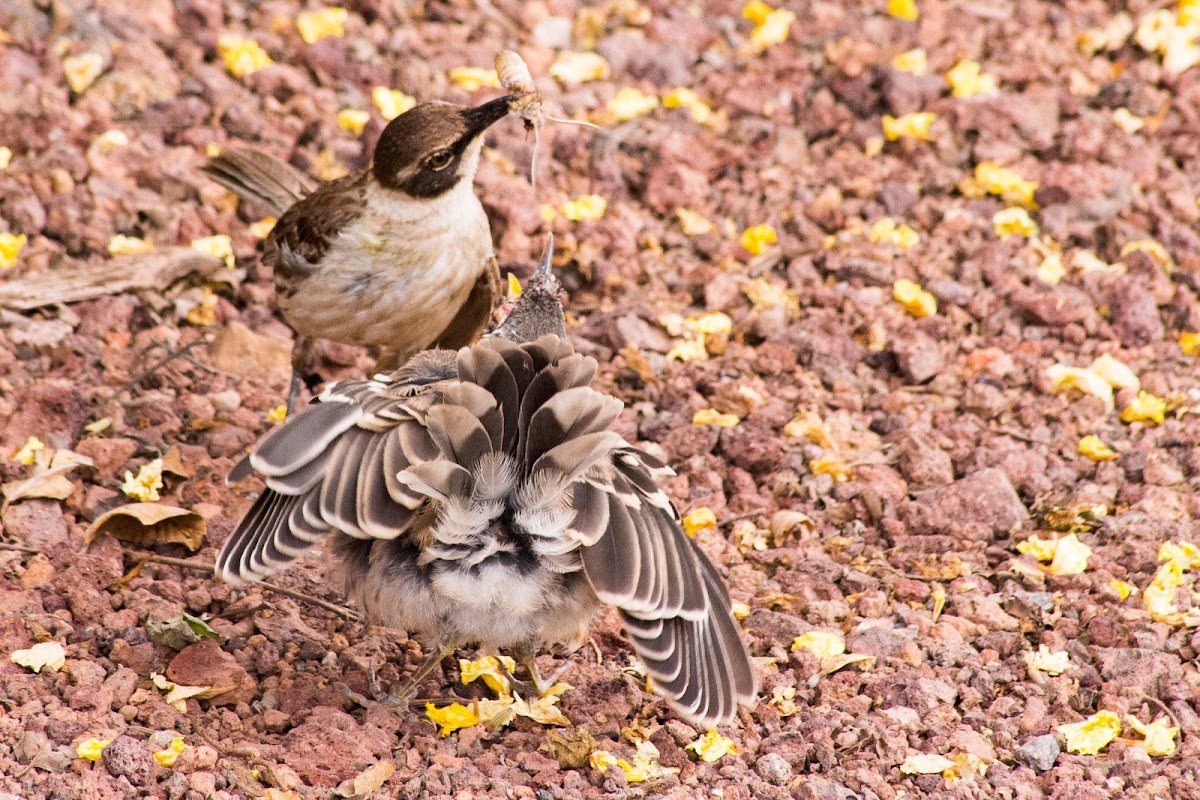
{"x":439,"y":160}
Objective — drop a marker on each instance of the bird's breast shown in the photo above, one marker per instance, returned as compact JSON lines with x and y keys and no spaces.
{"x":397,"y":276}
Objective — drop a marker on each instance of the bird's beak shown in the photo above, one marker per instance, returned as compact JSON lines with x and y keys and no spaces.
{"x":543,"y":268}
{"x":480,"y":118}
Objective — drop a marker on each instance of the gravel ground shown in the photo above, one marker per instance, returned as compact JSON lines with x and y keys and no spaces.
{"x":956,"y":445}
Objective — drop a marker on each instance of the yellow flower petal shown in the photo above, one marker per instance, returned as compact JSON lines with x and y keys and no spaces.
{"x":1063,"y":377}
{"x":1116,"y":373}
{"x":353,"y":120}
{"x":1158,"y":738}
{"x":1050,"y":663}
{"x":168,"y":756}
{"x":765,"y":294}
{"x":574,"y":67}
{"x":687,"y":98}
{"x":1013,"y":221}
{"x":1127,"y":121}
{"x":909,"y":126}
{"x":262,"y":229}
{"x":912,"y":61}
{"x":544,"y":709}
{"x":694,"y":224}
{"x":1152,"y":248}
{"x":218,"y":246}
{"x":322,"y":23}
{"x":82,"y":70}
{"x":451,"y":717}
{"x":915,"y":300}
{"x":1005,"y":183}
{"x":710,"y":416}
{"x":1145,"y":408}
{"x":514,"y":286}
{"x":11,"y":245}
{"x":28,"y":451}
{"x":1095,"y":449}
{"x":242,"y":56}
{"x":1122,"y":588}
{"x":1093,"y":734}
{"x":91,"y":749}
{"x":629,"y":103}
{"x":712,"y":323}
{"x":1070,"y":556}
{"x":739,"y":609}
{"x":784,"y":700}
{"x":6,"y":155}
{"x":144,"y":487}
{"x":773,"y":29}
{"x":832,"y":466}
{"x":698,"y":520}
{"x":967,"y":79}
{"x":886,"y":230}
{"x":821,"y":643}
{"x":756,"y":11}
{"x":926,"y":764}
{"x":756,"y":239}
{"x":391,"y":102}
{"x":1041,"y":549}
{"x":50,"y":655}
{"x":489,"y":669}
{"x":1052,"y":270}
{"x":122,"y":245}
{"x":688,"y":350}
{"x":903,"y":9}
{"x":1189,"y":342}
{"x":587,"y":208}
{"x":277,"y":414}
{"x":205,"y":311}
{"x":712,"y":746}
{"x":474,"y":78}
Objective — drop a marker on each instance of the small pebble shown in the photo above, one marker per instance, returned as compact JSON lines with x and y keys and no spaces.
{"x":773,"y":768}
{"x":1039,"y":753}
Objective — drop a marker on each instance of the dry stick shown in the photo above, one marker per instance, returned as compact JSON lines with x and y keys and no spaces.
{"x":199,"y":566}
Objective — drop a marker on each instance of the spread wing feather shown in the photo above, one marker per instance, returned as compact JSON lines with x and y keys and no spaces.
{"x":449,"y":441}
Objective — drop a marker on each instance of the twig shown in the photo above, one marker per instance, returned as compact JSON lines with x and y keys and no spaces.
{"x":162,"y":362}
{"x":733,"y":520}
{"x":201,"y":566}
{"x":341,"y":611}
{"x":1160,"y":704}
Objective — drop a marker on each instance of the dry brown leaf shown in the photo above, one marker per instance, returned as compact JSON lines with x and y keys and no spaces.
{"x":173,"y":463}
{"x":48,"y":479}
{"x":150,"y":523}
{"x":366,"y":781}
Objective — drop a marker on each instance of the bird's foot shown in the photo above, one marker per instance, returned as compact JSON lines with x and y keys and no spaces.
{"x":536,"y":686}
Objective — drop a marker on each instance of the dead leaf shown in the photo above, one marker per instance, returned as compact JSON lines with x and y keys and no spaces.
{"x":173,"y":463}
{"x":366,"y":781}
{"x":150,"y":523}
{"x":572,"y":747}
{"x":47,"y":479}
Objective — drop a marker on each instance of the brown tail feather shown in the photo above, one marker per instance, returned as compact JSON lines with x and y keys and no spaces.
{"x":256,"y":175}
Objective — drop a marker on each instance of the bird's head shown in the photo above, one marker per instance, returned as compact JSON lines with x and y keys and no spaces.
{"x":538,"y":311}
{"x":426,"y":151}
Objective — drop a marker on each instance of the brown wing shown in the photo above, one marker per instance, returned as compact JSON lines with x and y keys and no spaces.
{"x":305,"y":232}
{"x":257,"y":175}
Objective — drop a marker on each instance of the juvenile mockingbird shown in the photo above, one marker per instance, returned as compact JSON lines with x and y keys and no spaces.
{"x":480,"y":497}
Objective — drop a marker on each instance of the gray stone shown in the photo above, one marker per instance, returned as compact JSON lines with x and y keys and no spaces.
{"x":773,"y":768}
{"x":1039,"y":753}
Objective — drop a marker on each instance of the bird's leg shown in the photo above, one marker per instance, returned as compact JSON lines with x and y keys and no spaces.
{"x":536,"y":686}
{"x":406,"y":691}
{"x":301,"y":358}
